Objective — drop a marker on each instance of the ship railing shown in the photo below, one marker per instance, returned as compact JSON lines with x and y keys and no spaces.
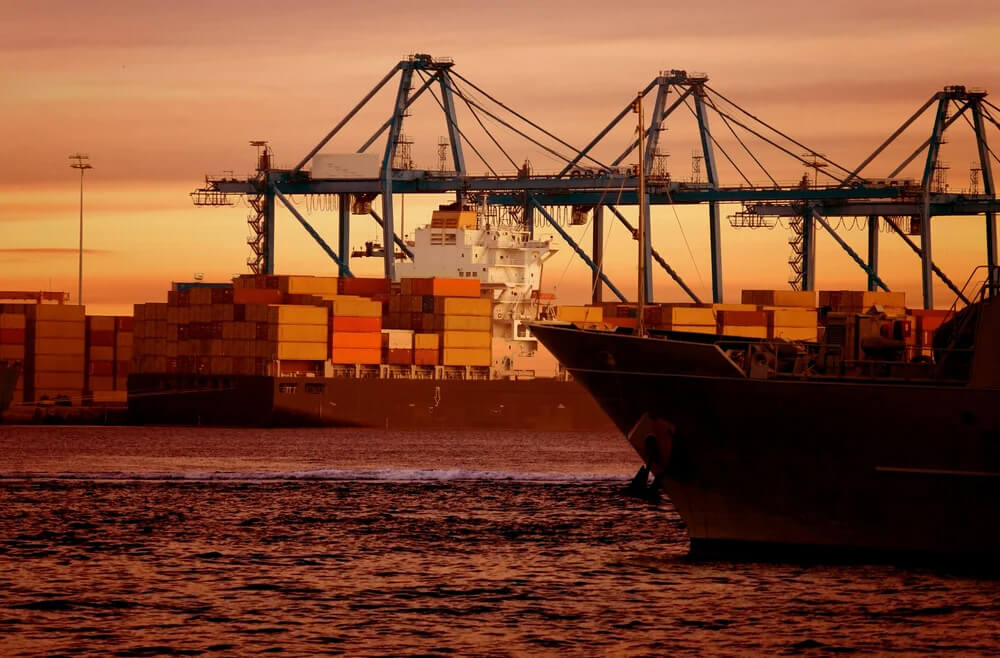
{"x":764,"y":359}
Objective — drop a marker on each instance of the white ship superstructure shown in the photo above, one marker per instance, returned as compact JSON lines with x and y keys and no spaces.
{"x":462,"y":242}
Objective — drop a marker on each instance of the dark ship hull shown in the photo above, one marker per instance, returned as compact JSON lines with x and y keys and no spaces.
{"x":538,"y":404}
{"x":8,"y":382}
{"x":852,"y":466}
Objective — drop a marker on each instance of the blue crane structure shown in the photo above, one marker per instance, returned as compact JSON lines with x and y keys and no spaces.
{"x":590,"y":186}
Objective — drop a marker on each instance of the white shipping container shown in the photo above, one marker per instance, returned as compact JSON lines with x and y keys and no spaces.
{"x":397,"y":339}
{"x":345,"y":165}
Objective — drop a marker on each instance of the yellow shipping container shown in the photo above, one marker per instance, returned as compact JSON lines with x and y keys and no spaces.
{"x":734,"y":307}
{"x":57,"y":312}
{"x":301,"y":351}
{"x":52,"y":329}
{"x":459,"y":356}
{"x":464,"y":322}
{"x":797,"y":298}
{"x":289,"y":314}
{"x":11,"y":321}
{"x":357,"y":307}
{"x":64,"y":380}
{"x":462,"y":306}
{"x":307,"y":285}
{"x":59,"y":363}
{"x":744,"y":331}
{"x":425,"y":341}
{"x":810,"y":334}
{"x":785,"y":317}
{"x":580,"y":314}
{"x":468,"y":339}
{"x":688,"y":315}
{"x":59,"y":346}
{"x":302,"y":333}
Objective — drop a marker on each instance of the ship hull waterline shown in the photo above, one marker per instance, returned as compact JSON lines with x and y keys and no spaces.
{"x":398,"y":404}
{"x":800,"y":466}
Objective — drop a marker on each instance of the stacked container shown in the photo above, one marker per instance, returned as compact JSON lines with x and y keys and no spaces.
{"x":586,"y":317}
{"x":397,"y":347}
{"x":426,"y":349}
{"x":355,"y":331}
{"x":464,"y":327}
{"x":861,"y":301}
{"x":55,"y":351}
{"x":681,"y":317}
{"x":109,"y":351}
{"x":151,"y":338}
{"x":12,"y":339}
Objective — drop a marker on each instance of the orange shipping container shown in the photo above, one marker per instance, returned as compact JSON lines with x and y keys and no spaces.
{"x":425,"y":357}
{"x":100,"y":323}
{"x":101,"y":353}
{"x":11,"y":321}
{"x":399,"y":357}
{"x":362,"y":286}
{"x":12,"y":352}
{"x":741,"y":318}
{"x":356,"y":340}
{"x":439,"y":287}
{"x":351,"y":355}
{"x":257,"y":296}
{"x":56,"y":313}
{"x":100,"y":383}
{"x":59,"y":380}
{"x":58,"y":363}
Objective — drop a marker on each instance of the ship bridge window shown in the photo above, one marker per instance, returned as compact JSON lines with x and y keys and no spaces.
{"x":287,"y":387}
{"x":316,"y":389}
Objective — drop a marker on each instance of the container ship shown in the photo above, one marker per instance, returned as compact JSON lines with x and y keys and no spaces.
{"x":880,"y":437}
{"x":447,"y":345}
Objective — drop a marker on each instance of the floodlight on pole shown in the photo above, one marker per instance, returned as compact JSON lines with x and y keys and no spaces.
{"x":81,"y":164}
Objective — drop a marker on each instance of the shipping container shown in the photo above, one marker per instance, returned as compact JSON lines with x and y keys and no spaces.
{"x":797,"y":298}
{"x":588,"y":314}
{"x":459,"y":356}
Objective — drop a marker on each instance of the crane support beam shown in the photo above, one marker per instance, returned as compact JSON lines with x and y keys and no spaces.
{"x":308,"y":227}
{"x":714,"y":220}
{"x":409,"y":102}
{"x":635,"y":143}
{"x":808,"y":251}
{"x":346,"y":119}
{"x":448,"y":101}
{"x":344,"y":233}
{"x":933,"y":148}
{"x":919,"y":252}
{"x":919,"y":149}
{"x":986,"y":168}
{"x":873,"y":226}
{"x":388,"y":229}
{"x":396,"y":240}
{"x":846,"y":247}
{"x":269,"y":229}
{"x":597,"y":286}
{"x":899,"y":131}
{"x":614,"y":122}
{"x":658,"y":258}
{"x":579,"y":251}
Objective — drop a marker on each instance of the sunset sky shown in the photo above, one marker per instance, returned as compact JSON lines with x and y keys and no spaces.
{"x":160,"y":94}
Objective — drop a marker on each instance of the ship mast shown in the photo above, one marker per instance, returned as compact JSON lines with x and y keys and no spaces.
{"x":640,"y":325}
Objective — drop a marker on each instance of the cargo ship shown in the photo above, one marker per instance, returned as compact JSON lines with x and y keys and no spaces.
{"x":853,"y":444}
{"x":447,"y":345}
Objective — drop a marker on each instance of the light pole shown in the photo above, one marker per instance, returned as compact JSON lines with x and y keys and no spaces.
{"x":81,"y":164}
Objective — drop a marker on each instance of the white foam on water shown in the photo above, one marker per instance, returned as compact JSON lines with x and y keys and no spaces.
{"x":331,"y":475}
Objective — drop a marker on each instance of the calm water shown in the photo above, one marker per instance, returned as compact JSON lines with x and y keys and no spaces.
{"x":170,"y":541}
